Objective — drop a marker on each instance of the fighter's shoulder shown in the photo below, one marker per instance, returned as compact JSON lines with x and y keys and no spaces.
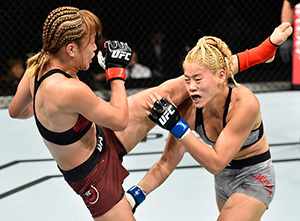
{"x":244,"y":97}
{"x":242,"y":92}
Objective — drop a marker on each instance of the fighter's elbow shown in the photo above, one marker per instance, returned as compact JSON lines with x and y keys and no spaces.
{"x":214,"y":169}
{"x":13,"y":113}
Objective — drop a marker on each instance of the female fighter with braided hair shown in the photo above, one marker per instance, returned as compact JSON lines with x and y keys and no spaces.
{"x":84,"y":133}
{"x":76,"y":125}
{"x":226,"y":119}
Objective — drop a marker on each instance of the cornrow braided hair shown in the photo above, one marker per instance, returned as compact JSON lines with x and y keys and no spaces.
{"x":211,"y":52}
{"x":62,"y":26}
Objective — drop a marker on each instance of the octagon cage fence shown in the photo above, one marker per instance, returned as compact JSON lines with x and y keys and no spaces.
{"x":242,"y":24}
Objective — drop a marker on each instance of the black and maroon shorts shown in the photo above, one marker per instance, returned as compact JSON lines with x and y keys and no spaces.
{"x":99,"y":179}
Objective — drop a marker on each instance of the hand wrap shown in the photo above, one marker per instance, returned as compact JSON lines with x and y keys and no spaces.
{"x":257,"y":55}
{"x":135,"y":196}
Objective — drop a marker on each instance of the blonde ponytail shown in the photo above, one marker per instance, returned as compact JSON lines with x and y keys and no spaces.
{"x":35,"y":62}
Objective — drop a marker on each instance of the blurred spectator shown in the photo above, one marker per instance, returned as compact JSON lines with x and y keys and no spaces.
{"x":287,"y":15}
{"x":156,"y":55}
{"x":10,"y":81}
{"x":136,"y":70}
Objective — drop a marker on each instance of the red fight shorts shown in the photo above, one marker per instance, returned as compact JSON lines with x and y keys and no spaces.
{"x":99,"y":179}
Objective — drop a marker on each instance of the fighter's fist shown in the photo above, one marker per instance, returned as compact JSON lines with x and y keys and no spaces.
{"x":118,"y":54}
{"x":166,"y":115}
{"x":117,"y":57}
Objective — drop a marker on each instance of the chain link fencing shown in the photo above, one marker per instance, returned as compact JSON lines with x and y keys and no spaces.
{"x":241,"y":24}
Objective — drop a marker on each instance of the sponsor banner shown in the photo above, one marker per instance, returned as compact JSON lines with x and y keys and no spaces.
{"x":296,"y":51}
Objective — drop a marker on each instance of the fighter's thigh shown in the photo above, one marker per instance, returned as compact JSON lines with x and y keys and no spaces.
{"x":242,"y":207}
{"x":139,"y":124}
{"x":122,"y":211}
{"x":175,"y":89}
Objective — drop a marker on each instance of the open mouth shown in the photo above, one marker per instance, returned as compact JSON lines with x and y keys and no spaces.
{"x":195,"y":98}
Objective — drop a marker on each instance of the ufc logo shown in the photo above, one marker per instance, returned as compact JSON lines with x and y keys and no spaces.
{"x":99,"y":143}
{"x":165,"y":117}
{"x":121,"y":54}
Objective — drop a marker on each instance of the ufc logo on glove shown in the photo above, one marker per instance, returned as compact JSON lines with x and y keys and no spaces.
{"x":165,"y":117}
{"x":120,"y":54}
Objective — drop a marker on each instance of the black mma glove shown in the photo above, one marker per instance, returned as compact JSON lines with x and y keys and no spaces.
{"x":166,"y":115}
{"x":117,"y":57}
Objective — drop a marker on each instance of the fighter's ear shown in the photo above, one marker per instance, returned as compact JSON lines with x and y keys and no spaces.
{"x":221,"y":73}
{"x":70,"y":49}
